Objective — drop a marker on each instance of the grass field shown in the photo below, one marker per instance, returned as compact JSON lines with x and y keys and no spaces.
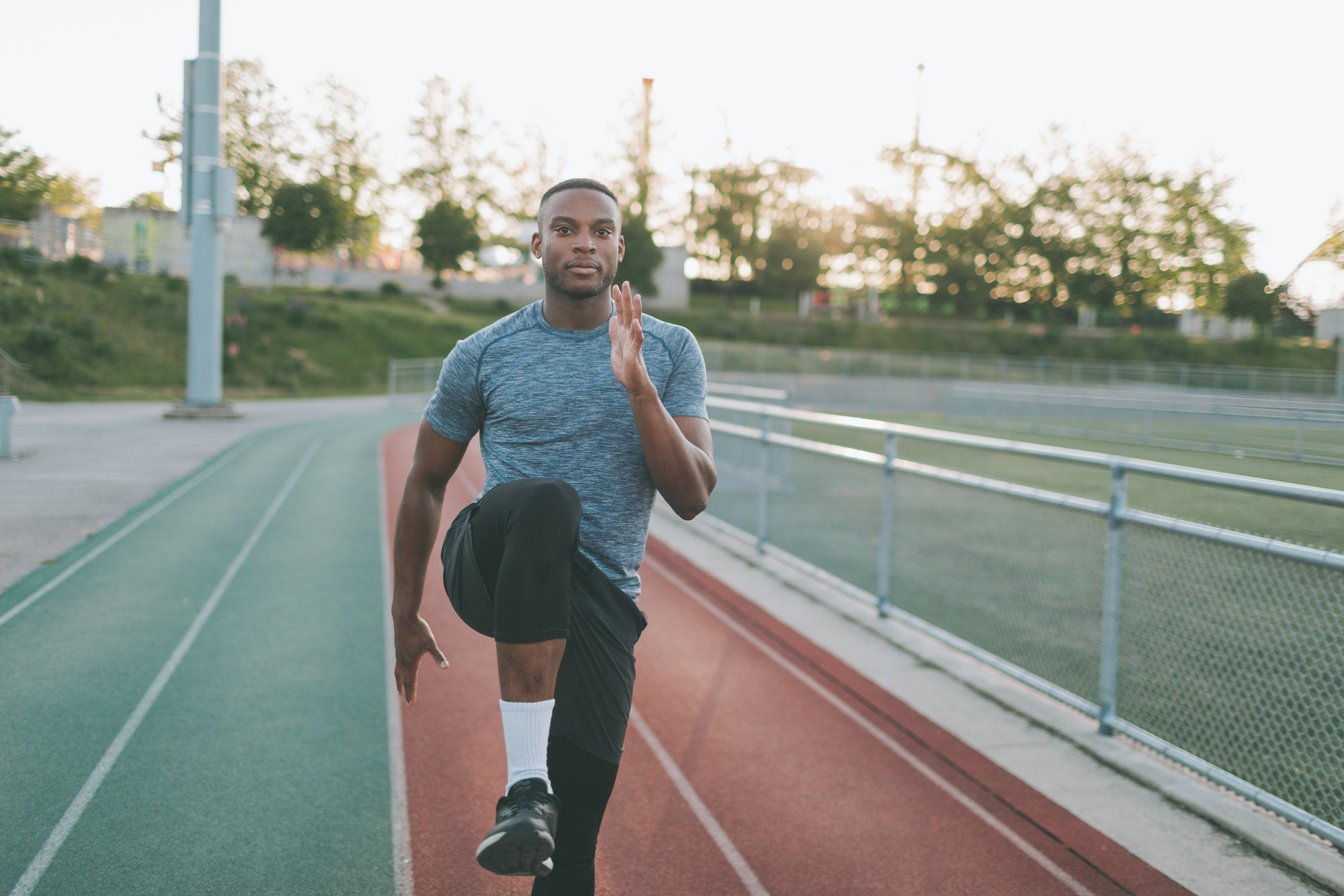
{"x":1231,"y":654}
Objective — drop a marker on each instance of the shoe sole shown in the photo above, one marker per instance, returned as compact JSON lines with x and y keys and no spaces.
{"x":521,"y":853}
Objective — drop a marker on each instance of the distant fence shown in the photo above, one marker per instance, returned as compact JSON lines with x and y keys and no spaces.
{"x":1246,"y":425}
{"x":725,"y":357}
{"x":1220,"y":650}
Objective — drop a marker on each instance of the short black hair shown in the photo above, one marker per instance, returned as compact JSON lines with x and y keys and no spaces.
{"x":576,"y":183}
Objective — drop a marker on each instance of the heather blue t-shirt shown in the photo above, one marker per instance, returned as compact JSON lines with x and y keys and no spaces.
{"x":547,"y":405}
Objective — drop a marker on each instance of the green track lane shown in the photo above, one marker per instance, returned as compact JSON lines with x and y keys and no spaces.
{"x":262,"y":766}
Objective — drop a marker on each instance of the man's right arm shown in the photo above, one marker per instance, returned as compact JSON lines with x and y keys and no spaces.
{"x":436,"y":460}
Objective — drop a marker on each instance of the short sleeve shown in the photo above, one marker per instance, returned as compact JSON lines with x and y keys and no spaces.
{"x":684,"y":395}
{"x":456,"y":409}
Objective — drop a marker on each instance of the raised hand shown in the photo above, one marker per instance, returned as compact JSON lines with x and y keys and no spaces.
{"x":627,"y":340}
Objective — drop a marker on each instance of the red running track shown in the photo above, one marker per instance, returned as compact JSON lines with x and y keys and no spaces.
{"x":756,"y":763}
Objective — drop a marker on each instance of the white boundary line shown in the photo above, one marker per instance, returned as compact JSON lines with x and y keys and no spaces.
{"x":927,"y":771}
{"x":86,"y":793}
{"x":142,"y":518}
{"x":403,"y":873}
{"x":706,"y":818}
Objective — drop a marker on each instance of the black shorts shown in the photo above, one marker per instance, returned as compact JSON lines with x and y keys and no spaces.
{"x":596,"y":682}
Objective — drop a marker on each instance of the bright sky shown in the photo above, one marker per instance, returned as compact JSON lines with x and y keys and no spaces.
{"x":1253,"y":92}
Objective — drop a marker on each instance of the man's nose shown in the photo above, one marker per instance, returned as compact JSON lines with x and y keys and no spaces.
{"x":585,"y":242}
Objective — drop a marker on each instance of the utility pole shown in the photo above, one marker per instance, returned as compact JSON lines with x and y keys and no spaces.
{"x":643,"y":175}
{"x":915,"y":146}
{"x":207,"y":210}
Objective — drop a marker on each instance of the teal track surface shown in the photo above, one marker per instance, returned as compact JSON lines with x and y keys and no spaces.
{"x":237,"y":636}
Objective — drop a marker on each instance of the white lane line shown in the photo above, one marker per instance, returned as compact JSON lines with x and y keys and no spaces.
{"x":86,"y":793}
{"x":402,"y":872}
{"x":706,"y":818}
{"x":142,"y":518}
{"x":929,"y":773}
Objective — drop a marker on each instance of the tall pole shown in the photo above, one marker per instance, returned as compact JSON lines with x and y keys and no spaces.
{"x":207,"y":207}
{"x":918,"y":168}
{"x":642,"y":177}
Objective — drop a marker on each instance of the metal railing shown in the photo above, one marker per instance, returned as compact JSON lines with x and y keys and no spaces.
{"x":729,"y":357}
{"x":1226,"y":653}
{"x":1244,"y":425}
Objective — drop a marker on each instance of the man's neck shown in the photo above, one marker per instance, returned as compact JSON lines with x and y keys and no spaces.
{"x":567,"y":313}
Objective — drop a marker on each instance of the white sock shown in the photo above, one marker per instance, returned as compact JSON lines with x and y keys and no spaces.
{"x":527,"y":729}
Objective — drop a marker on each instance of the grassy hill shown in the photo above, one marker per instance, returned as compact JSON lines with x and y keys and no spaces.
{"x":86,"y":332}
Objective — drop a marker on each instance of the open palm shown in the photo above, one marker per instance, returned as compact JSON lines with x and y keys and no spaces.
{"x":627,"y":339}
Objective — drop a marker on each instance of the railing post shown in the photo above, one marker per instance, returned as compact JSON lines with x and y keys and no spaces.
{"x":1110,"y":601}
{"x":763,"y":490}
{"x":887,"y":528}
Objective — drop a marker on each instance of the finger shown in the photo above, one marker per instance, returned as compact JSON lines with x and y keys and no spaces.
{"x":636,"y":306}
{"x":408,"y":679}
{"x":438,"y":655}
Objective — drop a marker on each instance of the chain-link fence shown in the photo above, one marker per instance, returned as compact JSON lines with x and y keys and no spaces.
{"x":1220,"y":649}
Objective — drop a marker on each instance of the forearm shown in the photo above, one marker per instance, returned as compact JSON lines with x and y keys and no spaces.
{"x":417,"y":529}
{"x":682,"y":472}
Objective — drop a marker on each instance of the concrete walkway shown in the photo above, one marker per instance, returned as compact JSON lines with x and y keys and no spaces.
{"x":80,"y":467}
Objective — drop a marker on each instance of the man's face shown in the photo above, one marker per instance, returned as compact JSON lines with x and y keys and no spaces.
{"x":580,"y":243}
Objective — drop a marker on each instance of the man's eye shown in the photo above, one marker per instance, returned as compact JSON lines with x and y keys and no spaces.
{"x":603,"y":232}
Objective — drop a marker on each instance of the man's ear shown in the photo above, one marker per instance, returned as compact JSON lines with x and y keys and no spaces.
{"x":536,"y":245}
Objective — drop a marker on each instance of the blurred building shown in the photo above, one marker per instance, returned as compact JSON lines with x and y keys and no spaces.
{"x":1213,"y":327}
{"x":150,"y":241}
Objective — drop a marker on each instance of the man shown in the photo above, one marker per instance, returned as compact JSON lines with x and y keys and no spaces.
{"x":585,"y":407}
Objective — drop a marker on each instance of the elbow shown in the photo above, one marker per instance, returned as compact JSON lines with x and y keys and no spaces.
{"x":690,"y":511}
{"x":691,"y":506}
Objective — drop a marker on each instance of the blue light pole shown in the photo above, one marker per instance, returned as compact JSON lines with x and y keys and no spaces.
{"x":207,"y":209}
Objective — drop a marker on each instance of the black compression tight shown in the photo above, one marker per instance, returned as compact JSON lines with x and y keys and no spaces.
{"x":583,"y":784}
{"x":525,"y":534}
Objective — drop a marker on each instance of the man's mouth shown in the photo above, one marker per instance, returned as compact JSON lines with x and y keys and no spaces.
{"x":584,"y":267}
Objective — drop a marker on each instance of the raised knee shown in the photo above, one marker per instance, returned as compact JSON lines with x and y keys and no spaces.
{"x":550,"y":501}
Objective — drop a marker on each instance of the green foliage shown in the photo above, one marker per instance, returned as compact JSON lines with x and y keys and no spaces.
{"x":390,"y":288}
{"x":256,"y":134}
{"x":24,"y":179}
{"x":344,"y":155}
{"x":735,"y":207}
{"x":451,"y":161}
{"x":307,"y":218}
{"x":642,"y":255}
{"x":1249,"y":297}
{"x":445,"y":234}
{"x":792,"y":261}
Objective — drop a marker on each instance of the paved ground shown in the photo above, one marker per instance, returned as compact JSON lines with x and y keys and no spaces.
{"x":79,"y":468}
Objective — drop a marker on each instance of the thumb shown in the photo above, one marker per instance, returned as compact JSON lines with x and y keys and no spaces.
{"x":438,"y":655}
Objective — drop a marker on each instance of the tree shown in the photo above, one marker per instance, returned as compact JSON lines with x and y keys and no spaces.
{"x":344,"y":160}
{"x":306,"y":218}
{"x":1249,"y":297}
{"x":451,"y":161}
{"x":258,"y":140}
{"x":24,"y":179}
{"x":255,"y":134}
{"x":735,"y":207}
{"x":152,"y":201}
{"x":642,"y":255}
{"x":445,"y":234}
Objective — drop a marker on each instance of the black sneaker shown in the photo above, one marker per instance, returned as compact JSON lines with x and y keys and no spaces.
{"x":523,"y":838}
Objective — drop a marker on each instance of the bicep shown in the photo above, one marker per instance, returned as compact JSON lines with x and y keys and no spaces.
{"x":436,"y":458}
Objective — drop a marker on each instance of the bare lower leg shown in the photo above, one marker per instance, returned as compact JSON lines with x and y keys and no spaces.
{"x":527,"y":671}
